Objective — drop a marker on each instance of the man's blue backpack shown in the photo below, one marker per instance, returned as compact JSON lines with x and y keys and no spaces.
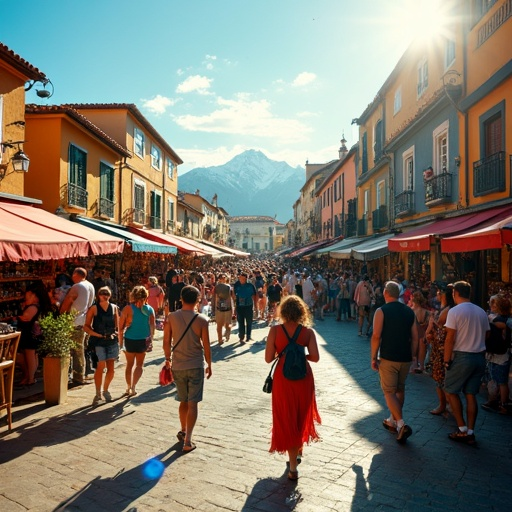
{"x":295,"y":366}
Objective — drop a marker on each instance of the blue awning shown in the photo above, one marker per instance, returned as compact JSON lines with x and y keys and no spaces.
{"x":137,"y":243}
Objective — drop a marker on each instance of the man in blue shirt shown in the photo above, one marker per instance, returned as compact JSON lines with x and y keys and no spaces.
{"x":244,"y":293}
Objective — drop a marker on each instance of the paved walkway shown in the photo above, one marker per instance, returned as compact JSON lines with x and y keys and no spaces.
{"x":75,"y":457}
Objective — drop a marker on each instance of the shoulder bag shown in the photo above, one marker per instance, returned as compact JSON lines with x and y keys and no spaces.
{"x":166,"y":376}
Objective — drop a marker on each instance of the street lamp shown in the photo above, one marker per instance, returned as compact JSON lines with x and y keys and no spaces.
{"x":20,"y":161}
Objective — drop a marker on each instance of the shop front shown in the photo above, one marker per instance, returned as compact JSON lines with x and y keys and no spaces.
{"x":37,"y":246}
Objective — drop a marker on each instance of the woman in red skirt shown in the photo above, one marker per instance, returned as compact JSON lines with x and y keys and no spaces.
{"x":294,"y":409}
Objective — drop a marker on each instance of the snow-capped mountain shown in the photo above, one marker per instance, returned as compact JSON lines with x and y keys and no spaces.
{"x":249,"y":184}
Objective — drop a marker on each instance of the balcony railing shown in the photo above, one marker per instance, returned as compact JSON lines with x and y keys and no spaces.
{"x":77,"y":196}
{"x":438,"y":189}
{"x":136,"y":216}
{"x":351,"y":227}
{"x":362,"y":226}
{"x":106,"y":207}
{"x":380,"y":218}
{"x":489,"y":174}
{"x":155,"y":222}
{"x":171,"y":225}
{"x":404,"y":203}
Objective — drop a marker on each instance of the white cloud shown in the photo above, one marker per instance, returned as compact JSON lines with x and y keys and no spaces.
{"x":303,"y":79}
{"x":207,"y":157}
{"x":208,"y":62}
{"x":195,"y":83}
{"x":243,"y":116}
{"x":158,"y":104}
{"x":179,"y":71}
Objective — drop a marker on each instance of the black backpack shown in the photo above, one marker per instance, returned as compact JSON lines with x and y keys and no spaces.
{"x":498,"y":341}
{"x":294,"y":367}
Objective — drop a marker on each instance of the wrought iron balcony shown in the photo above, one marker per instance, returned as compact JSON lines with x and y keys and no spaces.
{"x":351,"y":227}
{"x":136,"y":216}
{"x":171,"y":225}
{"x":438,"y":189}
{"x":380,"y":218}
{"x":155,"y":222}
{"x":489,"y":174}
{"x":77,"y":196}
{"x":404,"y":203}
{"x":106,"y":207}
{"x":362,"y":226}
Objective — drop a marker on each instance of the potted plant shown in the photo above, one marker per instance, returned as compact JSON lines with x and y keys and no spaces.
{"x":57,"y":341}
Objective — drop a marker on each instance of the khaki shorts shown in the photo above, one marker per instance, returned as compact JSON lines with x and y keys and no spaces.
{"x":393,"y":375}
{"x":223,"y":317}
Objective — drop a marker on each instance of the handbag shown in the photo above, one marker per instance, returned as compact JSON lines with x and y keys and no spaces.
{"x":166,"y":376}
{"x":267,"y":386}
{"x":149,"y":344}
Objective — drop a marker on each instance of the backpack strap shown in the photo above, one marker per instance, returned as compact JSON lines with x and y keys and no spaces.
{"x":293,"y":339}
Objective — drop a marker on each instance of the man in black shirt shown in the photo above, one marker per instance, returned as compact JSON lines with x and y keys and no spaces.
{"x":396,"y":337}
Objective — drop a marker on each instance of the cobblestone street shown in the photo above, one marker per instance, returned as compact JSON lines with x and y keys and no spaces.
{"x":76,"y":457}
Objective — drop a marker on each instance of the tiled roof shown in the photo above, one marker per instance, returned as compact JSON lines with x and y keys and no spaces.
{"x":132,"y":108}
{"x":13,"y":59}
{"x":79,"y":118}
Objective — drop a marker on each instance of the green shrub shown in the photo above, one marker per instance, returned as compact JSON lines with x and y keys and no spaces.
{"x":57,"y":335}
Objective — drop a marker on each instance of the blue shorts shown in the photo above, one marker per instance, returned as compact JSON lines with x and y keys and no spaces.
{"x":499,"y":372}
{"x":466,"y":373}
{"x":189,"y":384}
{"x":106,"y":353}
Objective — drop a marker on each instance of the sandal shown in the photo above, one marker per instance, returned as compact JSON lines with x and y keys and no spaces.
{"x":181,"y":436}
{"x":293,"y":475}
{"x":188,"y":447}
{"x":437,"y":411}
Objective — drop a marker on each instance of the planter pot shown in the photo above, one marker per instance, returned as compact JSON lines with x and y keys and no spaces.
{"x":55,"y":377}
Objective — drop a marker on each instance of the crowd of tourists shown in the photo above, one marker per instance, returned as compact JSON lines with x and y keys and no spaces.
{"x":433,"y":329}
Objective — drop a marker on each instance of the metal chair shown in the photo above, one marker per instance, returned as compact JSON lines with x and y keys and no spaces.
{"x":8,"y":350}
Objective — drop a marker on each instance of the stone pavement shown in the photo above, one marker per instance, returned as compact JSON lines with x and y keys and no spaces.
{"x":75,"y":457}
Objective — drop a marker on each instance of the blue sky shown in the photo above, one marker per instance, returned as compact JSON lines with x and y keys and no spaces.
{"x":217,"y":77}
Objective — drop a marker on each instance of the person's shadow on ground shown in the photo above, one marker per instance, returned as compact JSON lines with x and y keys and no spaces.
{"x":120,"y":491}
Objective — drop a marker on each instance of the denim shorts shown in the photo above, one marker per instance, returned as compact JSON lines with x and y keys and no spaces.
{"x":466,"y":373}
{"x":106,"y":353}
{"x":499,"y":372}
{"x":189,"y":384}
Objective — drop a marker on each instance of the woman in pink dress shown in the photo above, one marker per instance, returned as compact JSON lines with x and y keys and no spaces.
{"x":156,"y":294}
{"x":294,"y":409}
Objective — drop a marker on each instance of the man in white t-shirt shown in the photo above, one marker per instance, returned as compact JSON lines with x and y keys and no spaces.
{"x":78,"y":300}
{"x":467,"y":327}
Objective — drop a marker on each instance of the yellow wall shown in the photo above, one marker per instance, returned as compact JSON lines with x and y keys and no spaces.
{"x":489,"y":57}
{"x":50,"y":138}
{"x":12,"y":91}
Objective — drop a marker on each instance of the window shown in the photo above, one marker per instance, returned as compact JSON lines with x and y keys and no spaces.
{"x":408,"y":169}
{"x":170,"y":210}
{"x":493,"y":135}
{"x":171,"y":168}
{"x":77,"y":167}
{"x":156,"y":158}
{"x":381,"y":193}
{"x":397,"y":104}
{"x":377,"y":141}
{"x":139,"y":193}
{"x":440,"y":143}
{"x":138,"y":142}
{"x":449,"y":53}
{"x":156,"y":210}
{"x":106,"y":181}
{"x":366,"y":201}
{"x":365,"y":152}
{"x":422,"y":77}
